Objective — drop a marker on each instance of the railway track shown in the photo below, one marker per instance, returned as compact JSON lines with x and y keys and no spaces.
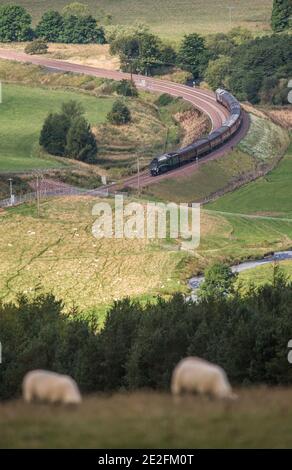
{"x":204,"y":100}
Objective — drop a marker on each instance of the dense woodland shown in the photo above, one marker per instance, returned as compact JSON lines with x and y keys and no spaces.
{"x":139,"y":346}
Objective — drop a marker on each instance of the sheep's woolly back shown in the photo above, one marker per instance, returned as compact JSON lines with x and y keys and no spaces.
{"x":193,"y":374}
{"x":50,"y":387}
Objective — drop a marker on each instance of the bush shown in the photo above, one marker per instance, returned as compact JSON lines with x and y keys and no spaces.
{"x":164,"y":100}
{"x":126,"y":88}
{"x":38,"y":46}
{"x":120,"y":114}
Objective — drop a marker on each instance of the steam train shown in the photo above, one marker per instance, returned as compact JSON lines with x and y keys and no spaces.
{"x":205,"y":145}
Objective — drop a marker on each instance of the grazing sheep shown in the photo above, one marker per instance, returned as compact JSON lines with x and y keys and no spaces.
{"x":50,"y":387}
{"x":193,"y":374}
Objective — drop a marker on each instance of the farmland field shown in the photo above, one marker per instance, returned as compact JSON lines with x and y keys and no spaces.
{"x":21,"y":117}
{"x":59,"y":254}
{"x":270,"y":195}
{"x":261,"y":418}
{"x":172,"y":19}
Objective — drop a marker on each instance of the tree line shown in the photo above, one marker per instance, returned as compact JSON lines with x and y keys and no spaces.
{"x":74,"y":25}
{"x":138,"y":346}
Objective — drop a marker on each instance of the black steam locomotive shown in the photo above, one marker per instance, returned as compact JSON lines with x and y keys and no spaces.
{"x":203,"y":146}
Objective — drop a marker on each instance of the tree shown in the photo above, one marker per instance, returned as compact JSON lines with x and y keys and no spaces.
{"x":38,"y":46}
{"x":282,"y":10}
{"x":218,"y":283}
{"x":120,"y":114}
{"x":218,"y":71}
{"x":82,"y":30}
{"x":126,"y":88}
{"x":15,"y":24}
{"x":54,"y":134}
{"x":81,"y":143}
{"x":51,"y":26}
{"x":139,"y":51}
{"x":193,"y":55}
{"x":72,"y":110}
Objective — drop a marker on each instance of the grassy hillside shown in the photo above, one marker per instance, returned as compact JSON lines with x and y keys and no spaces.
{"x":270,"y":195}
{"x":264,"y":143}
{"x":261,"y":418}
{"x":22,"y":114}
{"x":59,"y":253}
{"x":118,"y":145}
{"x":172,"y":19}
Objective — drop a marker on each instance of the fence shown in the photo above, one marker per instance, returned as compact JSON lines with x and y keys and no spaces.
{"x":56,"y":192}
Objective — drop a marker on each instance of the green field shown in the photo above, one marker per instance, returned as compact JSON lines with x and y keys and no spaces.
{"x":172,"y":19}
{"x":263,"y":275}
{"x":261,"y":418}
{"x":22,"y":114}
{"x":271,"y":195}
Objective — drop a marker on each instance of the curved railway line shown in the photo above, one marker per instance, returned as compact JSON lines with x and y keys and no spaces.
{"x":204,"y":100}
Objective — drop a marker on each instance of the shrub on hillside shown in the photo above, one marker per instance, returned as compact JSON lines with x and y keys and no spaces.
{"x":120,"y":114}
{"x":38,"y":46}
{"x":126,"y":88}
{"x":164,"y":100}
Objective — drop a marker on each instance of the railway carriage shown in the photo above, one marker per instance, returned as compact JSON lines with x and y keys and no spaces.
{"x":204,"y":145}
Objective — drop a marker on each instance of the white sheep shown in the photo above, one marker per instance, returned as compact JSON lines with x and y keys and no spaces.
{"x":193,"y":374}
{"x":50,"y":387}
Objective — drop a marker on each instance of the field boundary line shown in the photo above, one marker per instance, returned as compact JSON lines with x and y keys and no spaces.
{"x":247,"y":216}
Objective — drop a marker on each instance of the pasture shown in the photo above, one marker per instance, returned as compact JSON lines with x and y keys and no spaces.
{"x":22,"y":114}
{"x":261,"y":418}
{"x":270,"y":195}
{"x":172,"y":19}
{"x":59,"y":254}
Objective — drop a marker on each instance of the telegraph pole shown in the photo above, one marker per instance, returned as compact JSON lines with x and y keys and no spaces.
{"x":138,"y":174}
{"x":230,"y":8}
{"x":38,"y":194}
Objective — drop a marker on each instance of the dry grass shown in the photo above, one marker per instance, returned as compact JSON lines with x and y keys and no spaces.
{"x":96,"y":55}
{"x":281,"y":115}
{"x":59,"y":252}
{"x":261,"y":418}
{"x":194,"y":123}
